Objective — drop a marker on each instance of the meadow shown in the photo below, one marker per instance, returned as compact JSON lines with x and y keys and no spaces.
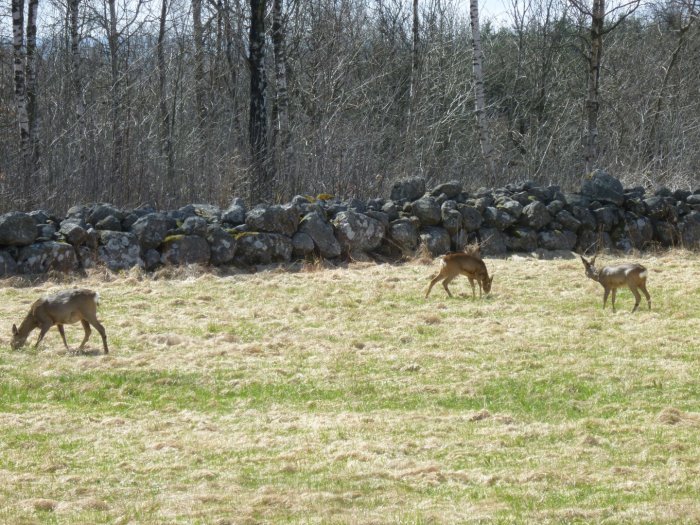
{"x":343,"y":396}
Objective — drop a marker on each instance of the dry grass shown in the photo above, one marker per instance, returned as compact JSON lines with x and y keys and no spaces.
{"x":343,"y":396}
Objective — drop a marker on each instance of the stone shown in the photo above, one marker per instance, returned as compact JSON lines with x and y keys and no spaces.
{"x":41,"y":257}
{"x":119,"y":250}
{"x":639,"y":230}
{"x":302,"y":245}
{"x":576,"y":199}
{"x":495,"y":218}
{"x":222,"y":245}
{"x":195,"y":225}
{"x":73,"y":232}
{"x":391,"y":210}
{"x":185,"y":249}
{"x":151,"y":259}
{"x":435,"y":239}
{"x":357,"y":232}
{"x":607,"y":217}
{"x":17,"y":229}
{"x":264,"y":248}
{"x":521,"y":239}
{"x":235,"y":213}
{"x":100,"y":212}
{"x":585,"y":217}
{"x":471,"y":218}
{"x":427,"y":210}
{"x":665,"y":233}
{"x":8,"y":265}
{"x":492,"y":242}
{"x":568,"y":221}
{"x":450,"y":189}
{"x":451,"y":217}
{"x":661,"y":208}
{"x":403,"y":234}
{"x":556,"y":240}
{"x":151,"y":229}
{"x":601,"y":186}
{"x":321,"y":232}
{"x":274,"y":219}
{"x":511,"y":207}
{"x":690,"y":231}
{"x":408,"y":189}
{"x":535,"y":215}
{"x":110,"y":222}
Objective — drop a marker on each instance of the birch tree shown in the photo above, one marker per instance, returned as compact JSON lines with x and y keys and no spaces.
{"x":480,"y":103}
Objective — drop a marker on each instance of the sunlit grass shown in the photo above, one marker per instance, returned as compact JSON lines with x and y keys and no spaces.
{"x":344,"y":396}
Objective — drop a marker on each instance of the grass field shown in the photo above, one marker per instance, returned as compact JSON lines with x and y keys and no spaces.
{"x":343,"y":396}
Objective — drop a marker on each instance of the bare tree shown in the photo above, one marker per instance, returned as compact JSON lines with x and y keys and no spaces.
{"x":481,"y":117}
{"x":281,"y":107}
{"x":594,"y":58}
{"x":261,"y":185}
{"x":166,"y":128}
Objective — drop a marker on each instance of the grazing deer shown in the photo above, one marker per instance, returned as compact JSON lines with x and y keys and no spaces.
{"x":454,"y":264}
{"x":66,"y":307}
{"x":632,"y":275}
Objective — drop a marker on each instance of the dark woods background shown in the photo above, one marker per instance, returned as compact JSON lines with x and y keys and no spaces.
{"x":174,"y":101}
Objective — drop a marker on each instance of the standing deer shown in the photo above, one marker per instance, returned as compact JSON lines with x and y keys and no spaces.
{"x":454,"y":264}
{"x":632,"y":275}
{"x":66,"y":307}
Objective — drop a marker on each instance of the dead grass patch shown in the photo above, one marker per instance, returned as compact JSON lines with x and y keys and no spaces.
{"x":342,"y":395}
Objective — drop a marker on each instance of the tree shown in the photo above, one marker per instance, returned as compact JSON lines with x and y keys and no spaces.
{"x":261,"y":185}
{"x":481,"y":117}
{"x":594,"y":57}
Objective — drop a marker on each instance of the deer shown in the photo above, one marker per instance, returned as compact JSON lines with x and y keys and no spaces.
{"x":632,"y":275}
{"x":461,"y":263}
{"x":66,"y":307}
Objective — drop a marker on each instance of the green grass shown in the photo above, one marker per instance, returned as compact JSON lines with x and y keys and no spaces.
{"x":344,"y":396}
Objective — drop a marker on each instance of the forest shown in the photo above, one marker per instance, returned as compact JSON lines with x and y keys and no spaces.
{"x":165,"y":102}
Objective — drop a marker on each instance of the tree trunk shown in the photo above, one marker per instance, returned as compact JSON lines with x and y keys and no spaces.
{"x":482,"y":123}
{"x":32,"y":112}
{"x":198,"y":35}
{"x":414,"y":63}
{"x":592,"y":100}
{"x":19,"y":75}
{"x":73,"y":14}
{"x":166,"y":131}
{"x":281,"y":95}
{"x":117,"y":131}
{"x":261,"y":187}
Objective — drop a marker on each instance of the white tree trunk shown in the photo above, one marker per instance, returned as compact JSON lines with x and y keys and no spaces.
{"x":482,"y":123}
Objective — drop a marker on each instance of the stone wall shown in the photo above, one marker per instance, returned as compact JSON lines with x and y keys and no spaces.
{"x":520,"y":217}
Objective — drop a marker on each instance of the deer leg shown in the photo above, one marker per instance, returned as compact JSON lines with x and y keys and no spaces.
{"x":614,"y":294}
{"x":446,"y":282}
{"x":637,"y":298}
{"x":643,"y":288}
{"x":605,"y":298}
{"x":435,"y":280}
{"x":86,"y":327}
{"x":44,"y":328}
{"x":471,"y":282}
{"x":63,"y":335}
{"x":103,"y":334}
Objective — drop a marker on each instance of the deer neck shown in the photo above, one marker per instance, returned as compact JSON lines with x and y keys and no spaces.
{"x":27,"y":326}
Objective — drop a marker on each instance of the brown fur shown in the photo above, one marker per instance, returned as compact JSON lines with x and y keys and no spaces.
{"x":454,"y":264}
{"x":66,"y":307}
{"x":632,"y":275}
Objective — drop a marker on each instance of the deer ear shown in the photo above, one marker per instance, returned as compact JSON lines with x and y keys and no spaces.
{"x":14,"y":329}
{"x":593,"y":260}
